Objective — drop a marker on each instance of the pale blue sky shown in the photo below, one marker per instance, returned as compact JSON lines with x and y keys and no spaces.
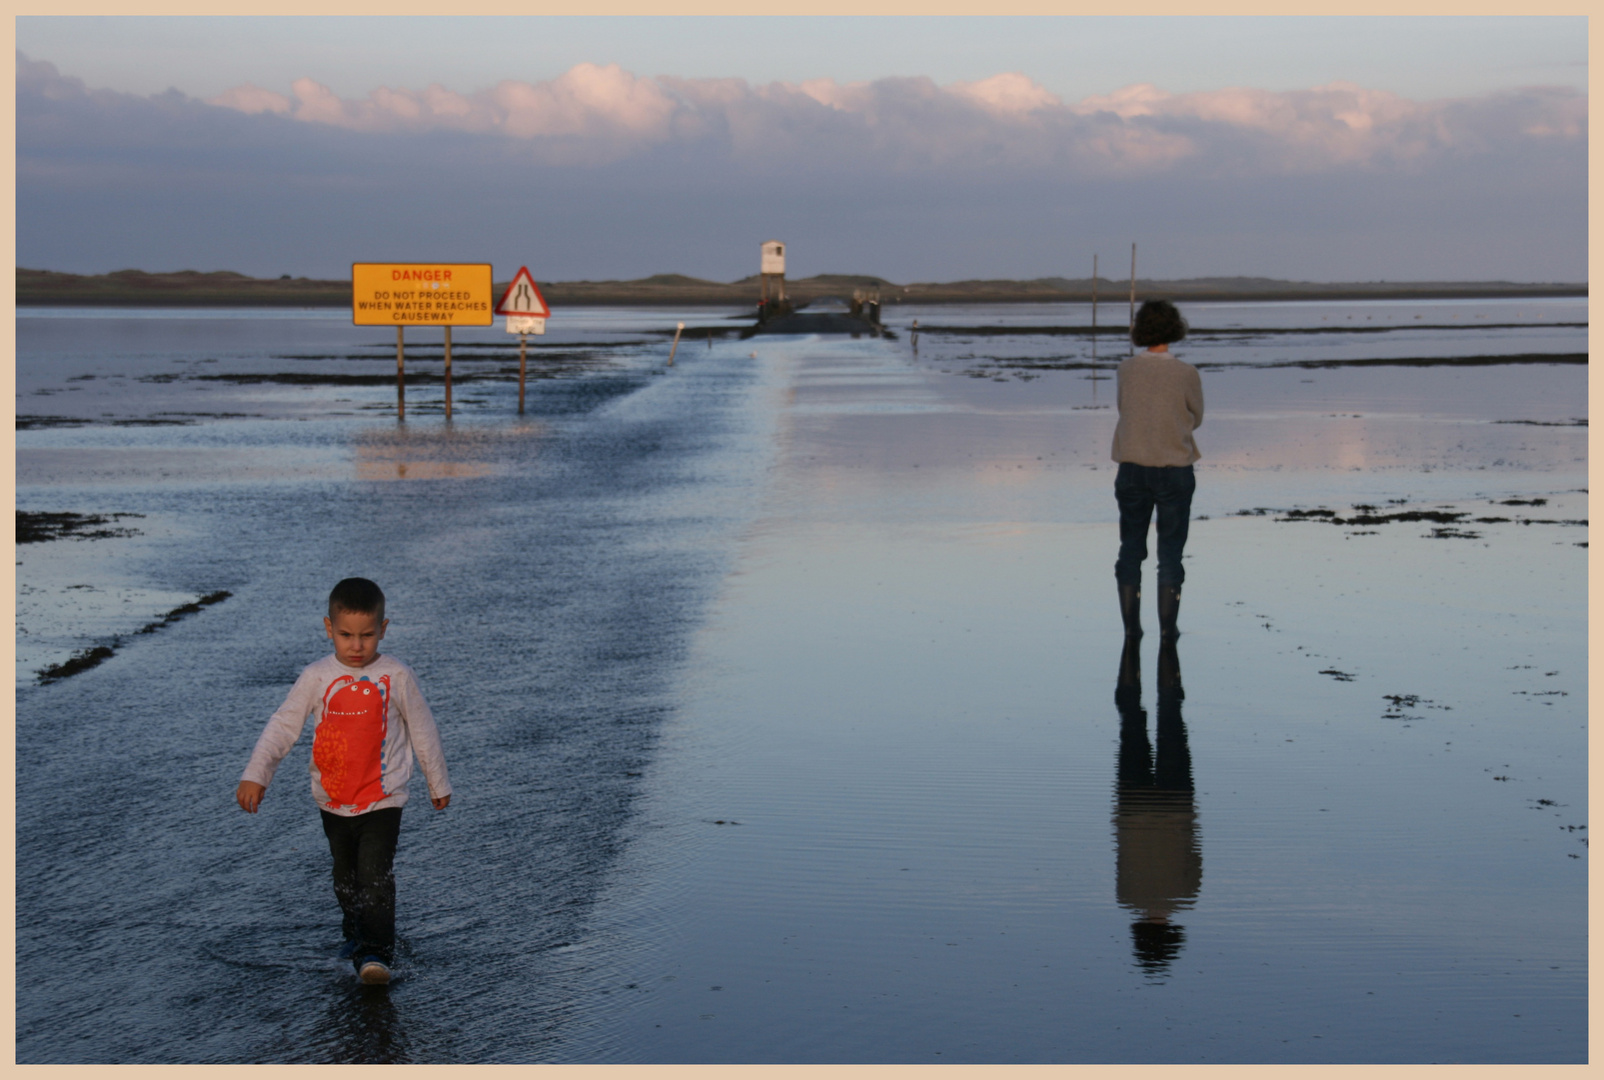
{"x":1074,"y":57}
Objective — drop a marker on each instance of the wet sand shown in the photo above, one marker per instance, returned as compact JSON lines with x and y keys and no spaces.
{"x":887,"y":824}
{"x":798,"y":729}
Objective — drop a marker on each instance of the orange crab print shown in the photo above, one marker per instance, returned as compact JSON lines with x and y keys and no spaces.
{"x":348,"y":742}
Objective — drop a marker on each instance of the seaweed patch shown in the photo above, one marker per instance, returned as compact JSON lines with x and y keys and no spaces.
{"x":1402,"y":705}
{"x":1448,"y":522}
{"x":29,"y":421}
{"x":84,"y":659}
{"x":184,"y":610}
{"x":35,"y":527}
{"x":1367,"y":516}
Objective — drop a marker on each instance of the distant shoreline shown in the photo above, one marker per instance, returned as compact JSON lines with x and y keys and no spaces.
{"x":189,"y":288}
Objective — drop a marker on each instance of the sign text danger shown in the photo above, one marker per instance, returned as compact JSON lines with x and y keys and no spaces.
{"x":421,"y":294}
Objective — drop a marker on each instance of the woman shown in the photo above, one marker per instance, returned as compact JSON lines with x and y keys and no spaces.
{"x":1160,"y":405}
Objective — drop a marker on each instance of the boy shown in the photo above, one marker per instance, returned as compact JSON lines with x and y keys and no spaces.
{"x":1160,"y":405}
{"x":370,"y":719}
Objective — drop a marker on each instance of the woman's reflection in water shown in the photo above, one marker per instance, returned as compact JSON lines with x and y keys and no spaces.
{"x":1158,"y":859}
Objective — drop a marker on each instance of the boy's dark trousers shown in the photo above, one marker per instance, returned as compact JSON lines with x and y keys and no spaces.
{"x":364,"y":879}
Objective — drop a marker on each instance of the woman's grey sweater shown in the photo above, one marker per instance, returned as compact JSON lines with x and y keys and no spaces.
{"x":1160,"y":404}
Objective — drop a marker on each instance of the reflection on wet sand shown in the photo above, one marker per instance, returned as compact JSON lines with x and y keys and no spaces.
{"x":448,"y":453}
{"x":419,"y":470}
{"x":1158,"y":856}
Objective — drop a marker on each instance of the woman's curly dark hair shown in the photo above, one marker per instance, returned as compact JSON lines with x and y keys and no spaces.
{"x":1158,"y":322}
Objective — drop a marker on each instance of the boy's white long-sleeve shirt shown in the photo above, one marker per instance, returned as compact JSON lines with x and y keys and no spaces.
{"x":369,"y":725}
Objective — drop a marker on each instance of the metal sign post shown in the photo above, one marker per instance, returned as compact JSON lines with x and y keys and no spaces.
{"x":526,"y":312}
{"x":448,"y":373}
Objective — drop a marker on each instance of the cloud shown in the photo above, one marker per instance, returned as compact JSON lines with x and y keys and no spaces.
{"x":1007,"y":94}
{"x":912,"y":123}
{"x":611,"y":110}
{"x":253,"y":99}
{"x":605,"y":173}
{"x":39,"y":77}
{"x":1343,"y":124}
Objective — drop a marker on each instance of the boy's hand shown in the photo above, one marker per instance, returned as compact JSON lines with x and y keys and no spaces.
{"x":442,"y":802}
{"x":249,"y":796}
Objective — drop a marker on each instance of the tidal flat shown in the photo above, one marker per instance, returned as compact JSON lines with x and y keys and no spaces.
{"x":785,"y":697}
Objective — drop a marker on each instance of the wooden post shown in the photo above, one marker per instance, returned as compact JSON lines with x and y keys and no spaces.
{"x":1094,"y":327}
{"x":678,"y":329}
{"x":448,"y":373}
{"x":400,"y":376}
{"x":1133,"y":288}
{"x":523,"y":339}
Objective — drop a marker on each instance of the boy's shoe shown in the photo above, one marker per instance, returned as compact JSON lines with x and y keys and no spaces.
{"x":373,"y":971}
{"x":348,"y":950}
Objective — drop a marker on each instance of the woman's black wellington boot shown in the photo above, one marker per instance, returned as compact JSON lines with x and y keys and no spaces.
{"x":1130,"y":609}
{"x":1169,"y":607}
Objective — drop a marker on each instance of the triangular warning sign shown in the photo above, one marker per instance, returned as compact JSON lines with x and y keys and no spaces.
{"x":523,"y":298}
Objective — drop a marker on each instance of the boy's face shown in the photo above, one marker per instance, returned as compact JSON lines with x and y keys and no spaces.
{"x":356,"y":636}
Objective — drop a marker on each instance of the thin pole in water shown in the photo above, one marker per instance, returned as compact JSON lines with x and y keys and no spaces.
{"x":523,"y":339}
{"x":679,"y":328}
{"x":400,"y":376}
{"x":1094,"y":326}
{"x":448,"y":373}
{"x":1133,"y":288}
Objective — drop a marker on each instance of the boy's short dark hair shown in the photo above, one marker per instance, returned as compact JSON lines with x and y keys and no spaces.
{"x":1158,"y":322}
{"x":359,"y":596}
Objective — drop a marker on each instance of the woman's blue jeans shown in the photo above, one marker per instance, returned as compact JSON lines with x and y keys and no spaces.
{"x":1140,"y":489}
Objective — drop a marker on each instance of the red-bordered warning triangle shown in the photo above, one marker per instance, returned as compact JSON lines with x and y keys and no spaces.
{"x":523,"y":298}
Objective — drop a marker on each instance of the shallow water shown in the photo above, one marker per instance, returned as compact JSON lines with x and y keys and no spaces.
{"x":779,"y":693}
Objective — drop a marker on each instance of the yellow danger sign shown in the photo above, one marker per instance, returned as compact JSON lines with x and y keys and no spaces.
{"x":421,"y":294}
